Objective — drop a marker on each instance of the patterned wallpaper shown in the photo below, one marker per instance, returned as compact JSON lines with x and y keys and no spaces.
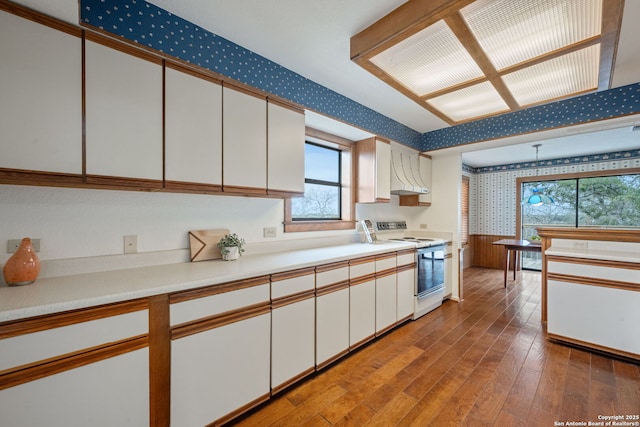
{"x":155,"y":28}
{"x":492,"y":201}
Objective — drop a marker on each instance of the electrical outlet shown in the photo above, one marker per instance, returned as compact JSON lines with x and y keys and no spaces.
{"x":423,"y":226}
{"x":269,"y":232}
{"x":580,"y":244}
{"x":14,"y":244}
{"x":130,"y":244}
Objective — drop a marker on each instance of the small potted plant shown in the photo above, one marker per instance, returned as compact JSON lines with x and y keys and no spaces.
{"x":231,"y":246}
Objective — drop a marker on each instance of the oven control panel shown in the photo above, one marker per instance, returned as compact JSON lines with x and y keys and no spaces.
{"x":391,"y":225}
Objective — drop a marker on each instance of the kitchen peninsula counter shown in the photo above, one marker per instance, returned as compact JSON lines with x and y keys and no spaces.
{"x":58,"y":294}
{"x":591,"y":288}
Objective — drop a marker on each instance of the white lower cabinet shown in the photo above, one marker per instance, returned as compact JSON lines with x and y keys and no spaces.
{"x":292,"y":326}
{"x":220,"y":351}
{"x":405,"y":293}
{"x":386,"y":300}
{"x":362,"y":311}
{"x":218,"y":371}
{"x":88,"y":368}
{"x":332,"y":312}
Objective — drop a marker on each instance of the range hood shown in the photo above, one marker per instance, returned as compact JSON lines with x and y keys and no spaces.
{"x":406,"y":178}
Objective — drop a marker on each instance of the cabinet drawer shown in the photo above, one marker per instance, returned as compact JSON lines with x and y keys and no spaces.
{"x":385,"y":262}
{"x":187,"y":311}
{"x":405,"y":258}
{"x":293,"y":283}
{"x":361,"y":267}
{"x":330,"y":277}
{"x":35,"y":346}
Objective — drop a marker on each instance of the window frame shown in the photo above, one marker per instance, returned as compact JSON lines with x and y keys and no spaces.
{"x":556,"y":177}
{"x":347,"y":202}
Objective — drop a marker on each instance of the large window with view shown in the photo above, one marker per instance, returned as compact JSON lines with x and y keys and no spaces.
{"x":587,"y":202}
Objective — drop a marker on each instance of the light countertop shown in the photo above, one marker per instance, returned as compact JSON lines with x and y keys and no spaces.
{"x":57,"y":294}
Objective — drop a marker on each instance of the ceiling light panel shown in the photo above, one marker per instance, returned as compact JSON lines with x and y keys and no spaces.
{"x":471,"y":102}
{"x":430,"y":60}
{"x":557,"y":78}
{"x":511,"y":32}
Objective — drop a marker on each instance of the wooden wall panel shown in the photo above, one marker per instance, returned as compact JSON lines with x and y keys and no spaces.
{"x":484,"y":253}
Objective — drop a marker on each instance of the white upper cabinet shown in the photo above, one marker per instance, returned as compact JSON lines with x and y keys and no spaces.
{"x":285,"y":150}
{"x":40,"y":97}
{"x":193,"y":129}
{"x":244,"y":140}
{"x":374,"y":170}
{"x":123,"y":114}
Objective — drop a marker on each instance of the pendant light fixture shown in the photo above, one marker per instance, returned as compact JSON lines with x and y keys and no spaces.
{"x":538,"y":198}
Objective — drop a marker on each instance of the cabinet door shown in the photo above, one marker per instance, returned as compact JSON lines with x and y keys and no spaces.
{"x":111,"y":392}
{"x":362,"y":312}
{"x":292,"y":342}
{"x":218,"y":371}
{"x":123,"y":114}
{"x":285,"y":150}
{"x":385,"y":301}
{"x":332,"y":325}
{"x":374,"y":170}
{"x":406,"y":285}
{"x":244,"y":141}
{"x":41,"y":97}
{"x":193,"y":129}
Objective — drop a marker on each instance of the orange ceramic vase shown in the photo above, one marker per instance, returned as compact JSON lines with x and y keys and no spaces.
{"x":23,"y":267}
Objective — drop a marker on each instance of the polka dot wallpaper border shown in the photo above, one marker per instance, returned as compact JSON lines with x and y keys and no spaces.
{"x":565,"y":161}
{"x":617,"y":102}
{"x":155,"y":28}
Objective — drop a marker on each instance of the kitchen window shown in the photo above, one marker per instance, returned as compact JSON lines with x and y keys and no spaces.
{"x":590,"y":200}
{"x":328,"y":201}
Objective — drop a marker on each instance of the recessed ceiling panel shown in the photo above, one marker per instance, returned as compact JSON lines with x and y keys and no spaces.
{"x":511,"y":32}
{"x":557,"y":78}
{"x":428,"y":61}
{"x":474,"y":101}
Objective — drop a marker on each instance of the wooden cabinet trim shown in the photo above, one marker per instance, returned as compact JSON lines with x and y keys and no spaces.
{"x":387,"y":272}
{"x":599,"y":348}
{"x":292,"y":299}
{"x":276,"y":277}
{"x":591,"y":281}
{"x":234,"y":414}
{"x":245,"y":191}
{"x":406,"y":252}
{"x":334,"y":287}
{"x":217,"y":289}
{"x":44,"y":368}
{"x":40,"y":18}
{"x":595,"y":262}
{"x":361,"y":342}
{"x":119,"y":183}
{"x":615,"y":235}
{"x":277,"y":389}
{"x":406,"y":267}
{"x":51,"y":321}
{"x":183,"y":68}
{"x":159,"y":360}
{"x":122,"y":47}
{"x":362,"y":279}
{"x":385,"y":256}
{"x":285,"y":104}
{"x":45,"y":179}
{"x":192,"y":187}
{"x":332,"y":266}
{"x":216,"y":321}
{"x":362,"y":260}
{"x":332,"y":359}
{"x":247,"y":90}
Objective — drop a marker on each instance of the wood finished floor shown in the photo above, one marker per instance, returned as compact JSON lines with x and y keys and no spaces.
{"x":482,"y":362}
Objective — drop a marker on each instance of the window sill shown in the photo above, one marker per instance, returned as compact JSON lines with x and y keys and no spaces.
{"x":298,"y":226}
